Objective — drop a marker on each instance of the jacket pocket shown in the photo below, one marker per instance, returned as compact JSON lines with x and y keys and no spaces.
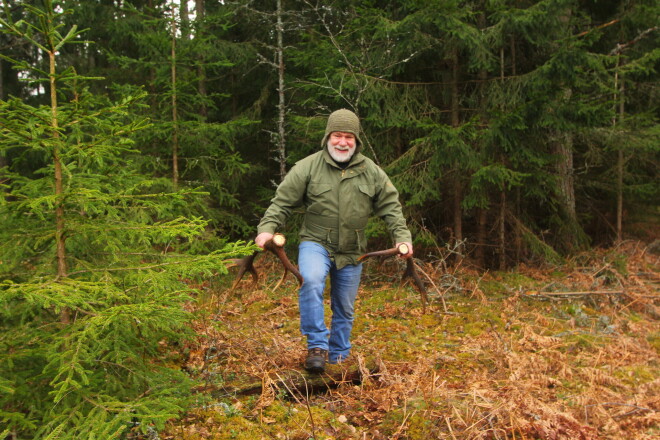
{"x":317,"y":195}
{"x":367,"y":189}
{"x":360,"y":206}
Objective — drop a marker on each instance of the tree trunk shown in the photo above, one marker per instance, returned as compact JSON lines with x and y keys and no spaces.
{"x":201,"y":70}
{"x":513,"y":57}
{"x":60,"y":237}
{"x":457,"y":184}
{"x":502,"y":222}
{"x":281,"y":141}
{"x":502,"y":250}
{"x":482,"y":233}
{"x":620,"y":168}
{"x":518,"y":242}
{"x":185,"y":21}
{"x":3,"y":161}
{"x":2,"y":81}
{"x":564,"y":152}
{"x":517,"y":238}
{"x":570,"y":235}
{"x":482,"y":213}
{"x":175,"y":128}
{"x":60,"y":225}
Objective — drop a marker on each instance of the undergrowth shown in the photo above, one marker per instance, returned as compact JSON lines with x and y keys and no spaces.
{"x":570,"y":352}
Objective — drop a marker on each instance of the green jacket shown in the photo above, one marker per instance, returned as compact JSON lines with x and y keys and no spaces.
{"x":337,"y":203}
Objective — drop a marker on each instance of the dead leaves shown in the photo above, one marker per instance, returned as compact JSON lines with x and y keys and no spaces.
{"x":498,"y":366}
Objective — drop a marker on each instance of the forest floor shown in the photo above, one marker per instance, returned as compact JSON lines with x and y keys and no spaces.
{"x":564,"y":352}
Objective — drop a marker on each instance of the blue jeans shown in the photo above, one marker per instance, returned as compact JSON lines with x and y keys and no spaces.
{"x":315,"y":265}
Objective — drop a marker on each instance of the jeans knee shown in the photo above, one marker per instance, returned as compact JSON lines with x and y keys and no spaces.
{"x":314,"y":279}
{"x":342,"y":316}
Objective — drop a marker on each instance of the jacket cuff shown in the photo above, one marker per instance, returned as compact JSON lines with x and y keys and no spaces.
{"x":403,"y":237}
{"x":267,"y":227}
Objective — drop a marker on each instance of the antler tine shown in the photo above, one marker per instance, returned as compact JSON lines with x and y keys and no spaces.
{"x":246,"y":264}
{"x":276,"y":246}
{"x":411,"y":273}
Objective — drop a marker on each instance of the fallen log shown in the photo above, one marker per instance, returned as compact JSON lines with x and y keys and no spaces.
{"x":295,"y":383}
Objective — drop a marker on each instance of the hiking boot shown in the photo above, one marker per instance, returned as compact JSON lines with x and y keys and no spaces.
{"x":315,"y":362}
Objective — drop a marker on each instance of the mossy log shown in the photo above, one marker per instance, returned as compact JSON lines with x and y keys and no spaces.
{"x":296,"y":382}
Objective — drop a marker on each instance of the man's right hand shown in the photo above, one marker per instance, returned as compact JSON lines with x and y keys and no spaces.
{"x":262,"y":239}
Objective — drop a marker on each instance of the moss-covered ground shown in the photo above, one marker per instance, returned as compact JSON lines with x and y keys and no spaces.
{"x":570,"y":352}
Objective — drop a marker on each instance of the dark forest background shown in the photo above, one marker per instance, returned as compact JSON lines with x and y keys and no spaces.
{"x":142,"y":140}
{"x":513,"y":130}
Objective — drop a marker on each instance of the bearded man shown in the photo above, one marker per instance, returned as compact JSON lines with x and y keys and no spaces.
{"x":339,"y":189}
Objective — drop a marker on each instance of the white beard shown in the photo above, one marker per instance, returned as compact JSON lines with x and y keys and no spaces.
{"x":340,"y":157}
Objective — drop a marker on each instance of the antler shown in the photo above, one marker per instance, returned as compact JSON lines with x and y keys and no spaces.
{"x":246,"y":264}
{"x":410,"y":271}
{"x":401,"y":249}
{"x":274,"y":245}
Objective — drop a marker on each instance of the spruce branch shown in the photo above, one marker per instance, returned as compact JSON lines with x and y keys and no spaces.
{"x":620,"y":47}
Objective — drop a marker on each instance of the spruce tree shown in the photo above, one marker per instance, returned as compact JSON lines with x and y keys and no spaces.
{"x":94,"y":258}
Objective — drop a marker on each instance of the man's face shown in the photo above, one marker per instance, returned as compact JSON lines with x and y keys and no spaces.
{"x":341,"y":146}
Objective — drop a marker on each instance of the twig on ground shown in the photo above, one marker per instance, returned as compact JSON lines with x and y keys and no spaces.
{"x":635,"y":409}
{"x":579,"y":293}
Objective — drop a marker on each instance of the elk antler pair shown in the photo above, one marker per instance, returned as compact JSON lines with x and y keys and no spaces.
{"x":274,"y":245}
{"x":410,"y":271}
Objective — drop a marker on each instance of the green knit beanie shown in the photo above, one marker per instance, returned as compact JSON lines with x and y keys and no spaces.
{"x":342,"y":120}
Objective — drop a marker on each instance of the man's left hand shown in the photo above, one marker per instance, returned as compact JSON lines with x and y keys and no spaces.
{"x":410,"y":249}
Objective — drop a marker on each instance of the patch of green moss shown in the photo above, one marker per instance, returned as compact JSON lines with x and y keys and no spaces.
{"x":413,"y":415}
{"x":516,"y":279}
{"x":654,"y":340}
{"x":580,"y":341}
{"x":620,"y":263}
{"x":493,"y":288}
{"x":634,"y":375}
{"x":258,"y":307}
{"x":476,"y":328}
{"x":569,"y":392}
{"x":430,"y":320}
{"x":278,"y":420}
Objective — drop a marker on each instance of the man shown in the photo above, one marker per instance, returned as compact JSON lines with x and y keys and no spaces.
{"x":339,"y":189}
